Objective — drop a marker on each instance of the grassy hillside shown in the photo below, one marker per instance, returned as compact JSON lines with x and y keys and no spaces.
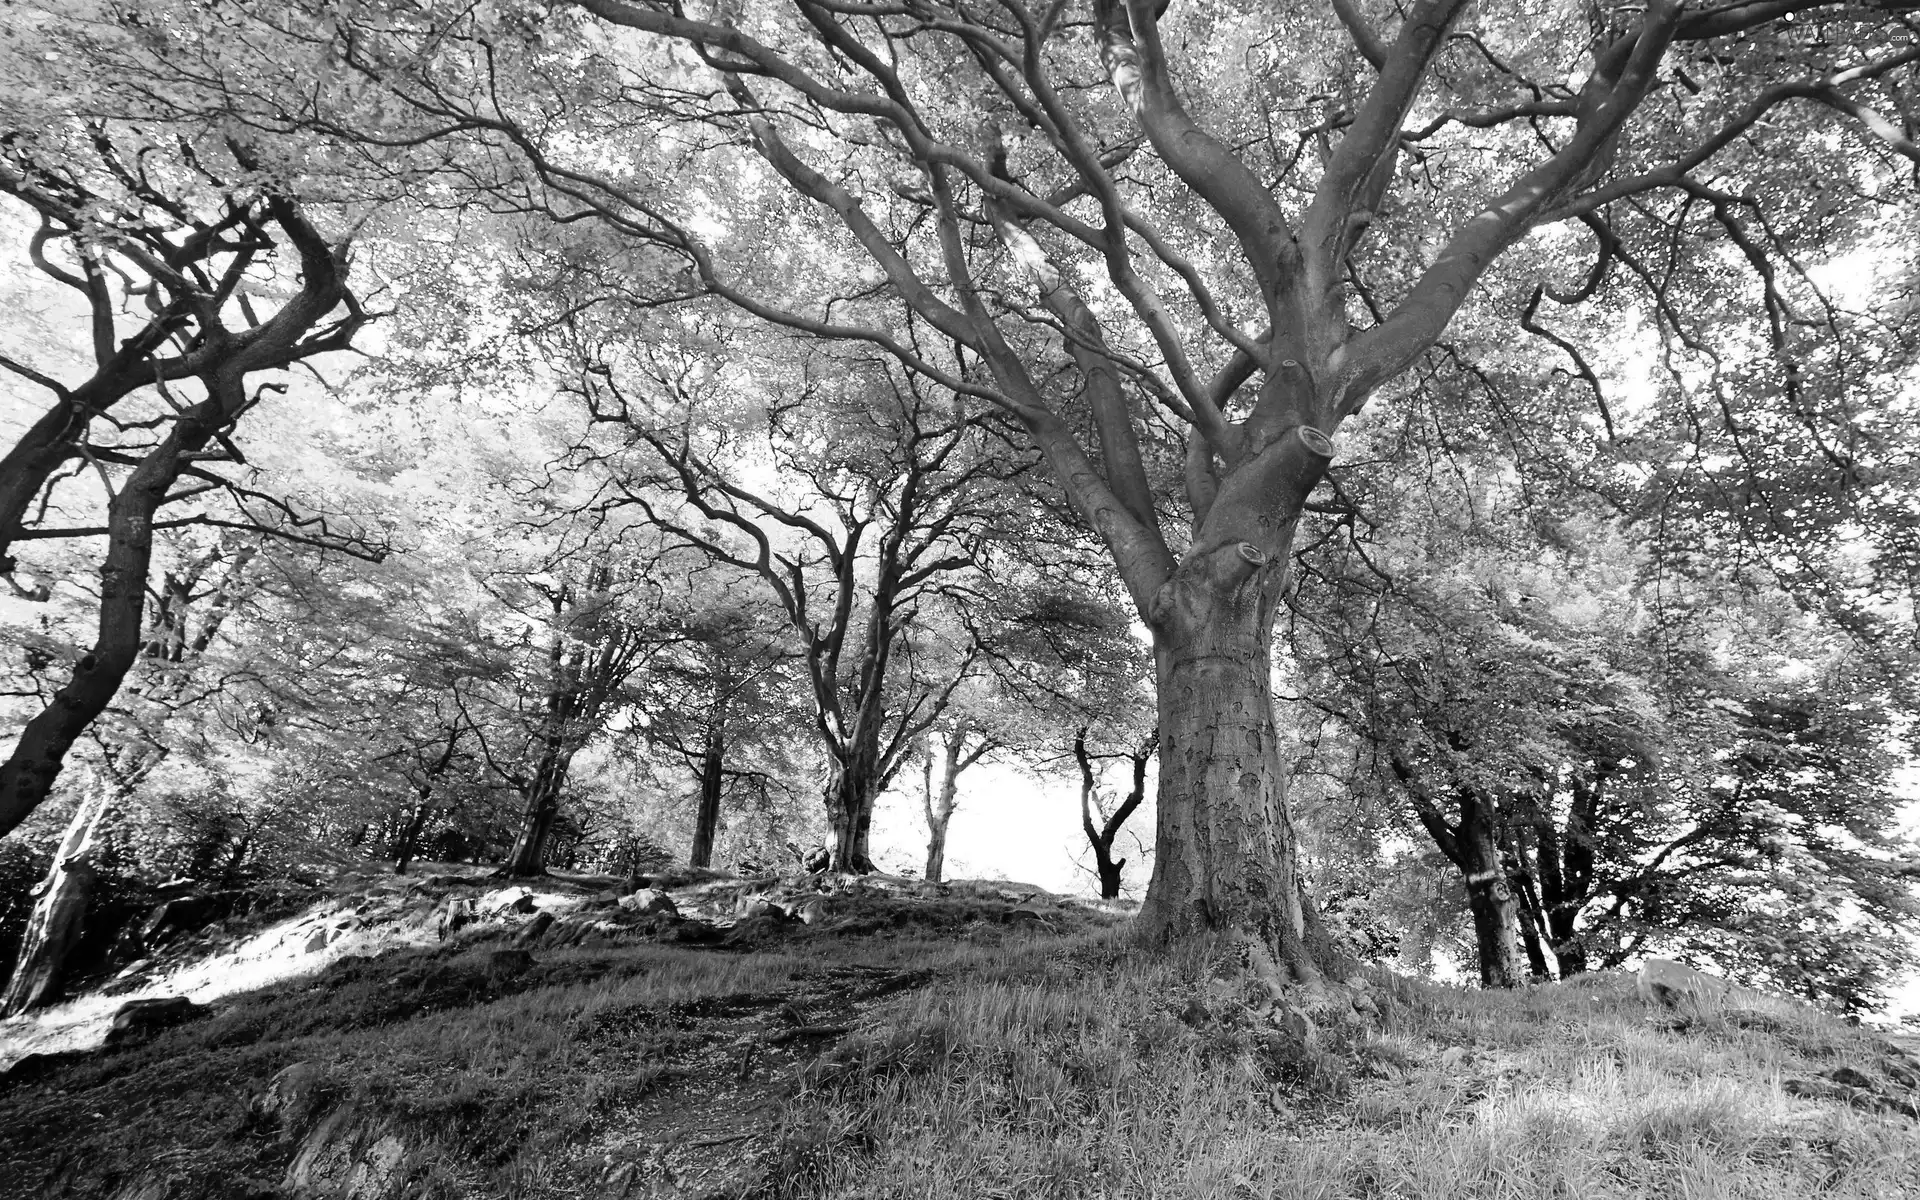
{"x":972,"y":1045}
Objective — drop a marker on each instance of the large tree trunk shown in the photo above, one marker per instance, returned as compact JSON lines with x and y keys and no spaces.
{"x":706,"y":824}
{"x":1226,"y":858}
{"x":29,"y":773}
{"x":529,"y":854}
{"x":59,"y":912}
{"x":1489,"y":893}
{"x":850,"y":796}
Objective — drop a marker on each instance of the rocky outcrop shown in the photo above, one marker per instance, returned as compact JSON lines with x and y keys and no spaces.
{"x":1675,"y":984}
{"x":138,"y":1020}
{"x":346,"y":1157}
{"x":648,"y":901}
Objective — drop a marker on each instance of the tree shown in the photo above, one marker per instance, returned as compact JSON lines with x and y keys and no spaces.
{"x":716,"y":700}
{"x":961,"y":745}
{"x":890,"y":520}
{"x":194,"y":602}
{"x":167,"y":245}
{"x":1598,"y":737}
{"x":1227,"y":294}
{"x":595,"y":641}
{"x":1112,"y":817}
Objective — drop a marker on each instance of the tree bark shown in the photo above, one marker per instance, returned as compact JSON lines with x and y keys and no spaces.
{"x":1226,"y":858}
{"x":529,"y":854}
{"x":29,"y":773}
{"x":706,"y":825}
{"x":938,"y":801}
{"x":1489,"y":892}
{"x":410,"y":833}
{"x":851,"y":791}
{"x":59,"y":913}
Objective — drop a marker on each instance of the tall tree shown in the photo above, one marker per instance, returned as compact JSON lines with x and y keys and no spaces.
{"x":1228,"y":270}
{"x":168,"y":246}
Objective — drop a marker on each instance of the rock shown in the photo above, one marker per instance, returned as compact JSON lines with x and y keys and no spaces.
{"x":182,"y":914}
{"x":692,"y":933}
{"x":1672,"y":984}
{"x":343,"y":1157}
{"x":1851,"y":1077}
{"x":290,"y":1092}
{"x":1296,"y":1025}
{"x":503,"y":965}
{"x":649,"y":901}
{"x":761,"y":907}
{"x":30,"y":1067}
{"x":317,"y":942}
{"x":756,"y":929}
{"x":535,"y":929}
{"x":137,"y":1020}
{"x":523,"y":903}
{"x":813,"y":911}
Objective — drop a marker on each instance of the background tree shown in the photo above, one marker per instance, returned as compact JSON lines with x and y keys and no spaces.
{"x":718,"y":702}
{"x":865,"y":522}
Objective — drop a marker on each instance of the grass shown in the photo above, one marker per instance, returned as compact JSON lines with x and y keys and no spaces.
{"x":946,"y":1060}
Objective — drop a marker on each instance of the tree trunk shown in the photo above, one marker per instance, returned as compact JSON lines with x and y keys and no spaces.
{"x":59,"y":913}
{"x":938,"y":798}
{"x":410,"y":833}
{"x":1565,"y":938}
{"x":1489,"y":893}
{"x":850,"y":797}
{"x":706,"y":824}
{"x":28,"y":775}
{"x":529,"y":854}
{"x":1226,"y":857}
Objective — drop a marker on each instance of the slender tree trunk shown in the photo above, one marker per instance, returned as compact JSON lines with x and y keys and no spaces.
{"x":1226,"y":856}
{"x":706,"y":825}
{"x":938,"y":798}
{"x":1101,"y":836}
{"x":59,"y":912}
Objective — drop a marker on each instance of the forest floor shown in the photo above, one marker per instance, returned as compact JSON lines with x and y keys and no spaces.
{"x":980,"y":1041}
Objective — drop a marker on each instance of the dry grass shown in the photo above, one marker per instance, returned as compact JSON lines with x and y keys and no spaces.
{"x":1081,"y":1083}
